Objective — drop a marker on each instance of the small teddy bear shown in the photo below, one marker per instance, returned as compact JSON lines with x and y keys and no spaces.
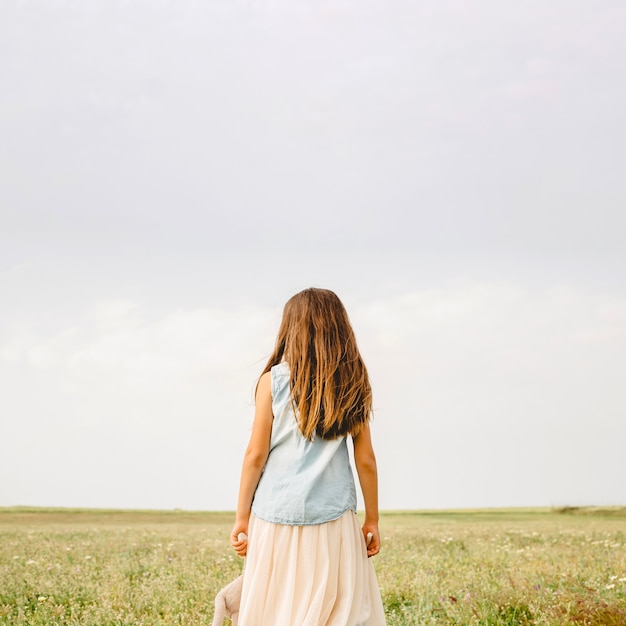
{"x":228,"y":599}
{"x":227,"y":602}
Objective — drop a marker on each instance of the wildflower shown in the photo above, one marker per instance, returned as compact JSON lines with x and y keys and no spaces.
{"x":88,"y":556}
{"x":42,"y":598}
{"x":611,"y":586}
{"x":30,"y":562}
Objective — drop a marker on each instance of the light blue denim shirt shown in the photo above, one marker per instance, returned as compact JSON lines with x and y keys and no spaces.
{"x":303,"y":482}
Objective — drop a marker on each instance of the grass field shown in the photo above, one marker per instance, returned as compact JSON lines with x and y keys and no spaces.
{"x":491,"y":567}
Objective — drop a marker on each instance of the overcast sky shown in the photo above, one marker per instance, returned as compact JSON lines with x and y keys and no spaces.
{"x":172,"y":172}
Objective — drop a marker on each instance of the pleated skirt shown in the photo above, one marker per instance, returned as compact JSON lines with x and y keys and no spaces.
{"x":316,"y":575}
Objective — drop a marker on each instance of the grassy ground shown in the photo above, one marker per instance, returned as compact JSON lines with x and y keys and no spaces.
{"x":500,"y":567}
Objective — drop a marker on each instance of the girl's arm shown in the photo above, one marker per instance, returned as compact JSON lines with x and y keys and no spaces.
{"x":365,"y":462}
{"x":253,"y":461}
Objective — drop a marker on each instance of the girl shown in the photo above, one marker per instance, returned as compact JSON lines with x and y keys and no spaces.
{"x":307,"y":559}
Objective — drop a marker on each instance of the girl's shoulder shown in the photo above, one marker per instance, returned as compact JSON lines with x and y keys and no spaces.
{"x":280,"y":377}
{"x":280,"y":369}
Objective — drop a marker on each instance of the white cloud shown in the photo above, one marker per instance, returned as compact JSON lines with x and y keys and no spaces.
{"x":501,"y":327}
{"x":115,"y":341}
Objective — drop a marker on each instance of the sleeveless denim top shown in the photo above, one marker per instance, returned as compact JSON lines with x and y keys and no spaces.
{"x":303,"y":482}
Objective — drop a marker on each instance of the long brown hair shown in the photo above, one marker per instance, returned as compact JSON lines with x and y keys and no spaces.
{"x":330,"y":388}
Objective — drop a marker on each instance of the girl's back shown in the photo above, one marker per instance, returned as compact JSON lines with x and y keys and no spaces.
{"x":303,"y":482}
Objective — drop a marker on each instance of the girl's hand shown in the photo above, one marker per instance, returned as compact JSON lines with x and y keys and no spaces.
{"x":372,"y":538}
{"x":239,"y":538}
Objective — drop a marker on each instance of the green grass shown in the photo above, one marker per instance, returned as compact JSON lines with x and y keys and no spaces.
{"x":102,"y":567}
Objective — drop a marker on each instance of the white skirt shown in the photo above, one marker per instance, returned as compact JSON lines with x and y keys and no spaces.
{"x":317,"y":575}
